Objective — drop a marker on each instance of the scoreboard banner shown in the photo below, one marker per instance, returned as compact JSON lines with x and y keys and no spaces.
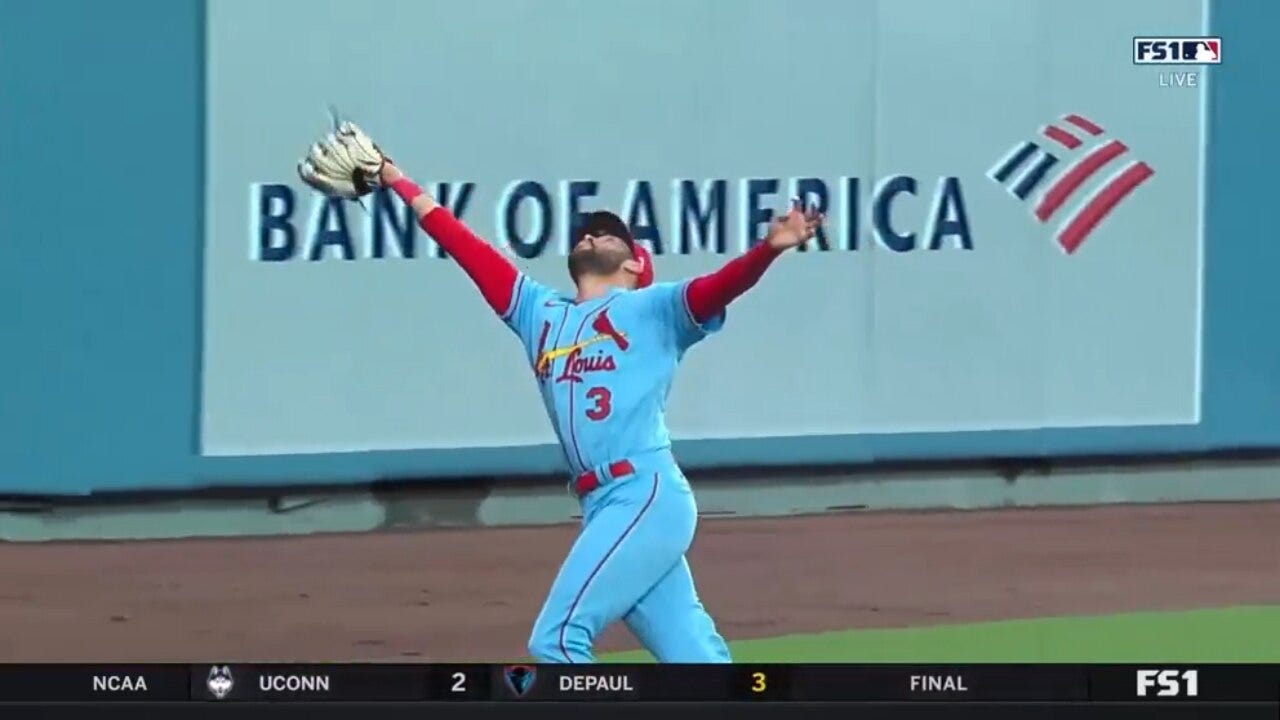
{"x":232,"y":683}
{"x":1015,"y":235}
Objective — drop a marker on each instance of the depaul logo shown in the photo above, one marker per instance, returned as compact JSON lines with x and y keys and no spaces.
{"x":520,"y":678}
{"x":1028,"y":166}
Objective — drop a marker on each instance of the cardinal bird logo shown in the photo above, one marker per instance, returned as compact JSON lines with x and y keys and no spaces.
{"x":603,"y":325}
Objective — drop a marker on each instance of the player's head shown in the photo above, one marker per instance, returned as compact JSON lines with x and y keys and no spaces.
{"x":603,"y":247}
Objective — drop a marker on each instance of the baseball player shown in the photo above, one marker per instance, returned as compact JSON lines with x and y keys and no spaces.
{"x":603,"y":359}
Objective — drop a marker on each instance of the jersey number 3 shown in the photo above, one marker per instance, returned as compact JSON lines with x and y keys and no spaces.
{"x":603,"y":406}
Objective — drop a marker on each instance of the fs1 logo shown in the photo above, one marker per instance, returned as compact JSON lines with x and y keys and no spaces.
{"x":1028,"y":166}
{"x":1177,"y":51}
{"x":1169,"y":683}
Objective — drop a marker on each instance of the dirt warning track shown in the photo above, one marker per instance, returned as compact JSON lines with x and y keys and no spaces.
{"x":472,"y":595}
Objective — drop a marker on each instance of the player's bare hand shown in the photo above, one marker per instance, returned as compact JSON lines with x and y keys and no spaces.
{"x":796,"y":227}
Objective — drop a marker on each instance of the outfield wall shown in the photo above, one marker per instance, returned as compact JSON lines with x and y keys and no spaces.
{"x":180,"y":314}
{"x":400,"y":507}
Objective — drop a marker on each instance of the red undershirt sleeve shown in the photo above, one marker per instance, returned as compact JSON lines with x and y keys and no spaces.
{"x":494,"y":274}
{"x":709,"y":295}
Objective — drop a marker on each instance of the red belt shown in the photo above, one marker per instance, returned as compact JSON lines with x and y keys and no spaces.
{"x":590,"y":480}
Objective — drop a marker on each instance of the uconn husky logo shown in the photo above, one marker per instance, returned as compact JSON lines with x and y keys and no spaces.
{"x":1081,"y":146}
{"x":219,"y":681}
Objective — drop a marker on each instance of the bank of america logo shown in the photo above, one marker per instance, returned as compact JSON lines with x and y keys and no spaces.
{"x":1086,"y":153}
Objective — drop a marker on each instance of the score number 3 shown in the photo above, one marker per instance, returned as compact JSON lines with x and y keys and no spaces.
{"x":759,"y":683}
{"x":603,"y":403}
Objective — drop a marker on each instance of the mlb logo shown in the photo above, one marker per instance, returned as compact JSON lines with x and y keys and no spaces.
{"x":1177,"y":51}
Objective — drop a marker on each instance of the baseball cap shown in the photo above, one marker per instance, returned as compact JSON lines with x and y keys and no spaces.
{"x":603,"y":222}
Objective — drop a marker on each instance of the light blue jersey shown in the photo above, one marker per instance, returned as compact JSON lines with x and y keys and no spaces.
{"x":604,"y":368}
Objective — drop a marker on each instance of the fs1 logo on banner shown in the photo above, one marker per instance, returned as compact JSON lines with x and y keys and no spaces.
{"x":1169,"y":683}
{"x":1177,"y":51}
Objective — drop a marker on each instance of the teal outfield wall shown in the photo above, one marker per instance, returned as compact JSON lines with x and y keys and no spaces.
{"x":102,"y":202}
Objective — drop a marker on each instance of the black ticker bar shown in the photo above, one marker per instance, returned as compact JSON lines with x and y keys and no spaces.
{"x":637,"y":711}
{"x":245,"y":683}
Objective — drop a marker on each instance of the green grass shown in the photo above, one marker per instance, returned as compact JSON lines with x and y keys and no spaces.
{"x":1239,"y":634}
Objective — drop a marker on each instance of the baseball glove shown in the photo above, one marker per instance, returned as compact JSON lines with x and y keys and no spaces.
{"x":345,"y":164}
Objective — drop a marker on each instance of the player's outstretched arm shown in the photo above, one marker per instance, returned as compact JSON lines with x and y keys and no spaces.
{"x":494,"y":274}
{"x":709,"y":295}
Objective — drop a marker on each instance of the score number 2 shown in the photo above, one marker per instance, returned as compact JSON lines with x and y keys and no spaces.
{"x":460,"y":682}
